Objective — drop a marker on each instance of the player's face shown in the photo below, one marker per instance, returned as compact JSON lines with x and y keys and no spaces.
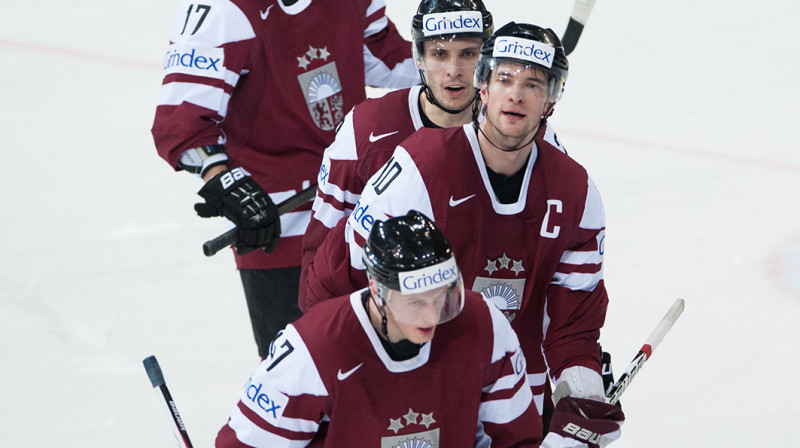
{"x":415,"y":316}
{"x":449,"y":66}
{"x":515,"y":98}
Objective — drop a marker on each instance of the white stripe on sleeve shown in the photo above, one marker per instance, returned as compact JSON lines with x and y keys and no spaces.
{"x":213,"y":98}
{"x":504,"y":411}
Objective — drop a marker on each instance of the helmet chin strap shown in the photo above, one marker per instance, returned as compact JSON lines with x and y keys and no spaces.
{"x":524,"y":145}
{"x":544,"y":118}
{"x":432,"y":99}
{"x":382,"y":312}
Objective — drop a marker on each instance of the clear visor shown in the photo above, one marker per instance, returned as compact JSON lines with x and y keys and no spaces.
{"x":428,"y":308}
{"x":448,"y":53}
{"x":505,"y":68}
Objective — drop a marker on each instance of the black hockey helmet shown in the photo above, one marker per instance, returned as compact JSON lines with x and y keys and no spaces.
{"x":528,"y":45}
{"x":409,"y":255}
{"x":450,"y":19}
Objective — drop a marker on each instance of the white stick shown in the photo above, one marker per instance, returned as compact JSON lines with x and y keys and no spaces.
{"x":613,"y":394}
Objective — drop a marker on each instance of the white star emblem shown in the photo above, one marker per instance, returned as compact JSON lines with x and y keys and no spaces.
{"x":517,"y":268}
{"x":323,"y":53}
{"x":312,"y":53}
{"x":302,"y":62}
{"x":427,"y":420}
{"x":411,"y":417}
{"x":491,"y":266}
{"x":396,"y":425}
{"x":504,"y":260}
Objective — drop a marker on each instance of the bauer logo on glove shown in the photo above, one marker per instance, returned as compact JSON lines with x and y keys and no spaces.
{"x":235,"y":195}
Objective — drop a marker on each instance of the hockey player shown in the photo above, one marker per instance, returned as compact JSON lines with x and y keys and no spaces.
{"x":526,"y":220}
{"x":411,"y":361}
{"x":252,"y":94}
{"x":447,"y":37}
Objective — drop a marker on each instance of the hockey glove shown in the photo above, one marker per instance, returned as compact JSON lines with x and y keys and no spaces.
{"x":581,"y":422}
{"x":236,"y":196}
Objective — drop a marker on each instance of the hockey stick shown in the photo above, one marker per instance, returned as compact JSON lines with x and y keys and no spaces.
{"x":157,"y":380}
{"x":578,"y":18}
{"x":213,"y":246}
{"x":613,"y":394}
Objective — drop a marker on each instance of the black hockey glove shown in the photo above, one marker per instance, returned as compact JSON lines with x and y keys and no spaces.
{"x":236,"y":196}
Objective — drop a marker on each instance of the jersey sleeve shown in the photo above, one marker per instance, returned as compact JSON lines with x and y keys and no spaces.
{"x":337,"y":268}
{"x":208,"y":52}
{"x":387,"y":56}
{"x":576,"y":298}
{"x":508,"y":415}
{"x":338,"y":190}
{"x":282,"y":404}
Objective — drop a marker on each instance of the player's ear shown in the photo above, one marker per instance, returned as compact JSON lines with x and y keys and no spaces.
{"x":548,"y":110}
{"x":373,"y":290}
{"x":484,"y":86}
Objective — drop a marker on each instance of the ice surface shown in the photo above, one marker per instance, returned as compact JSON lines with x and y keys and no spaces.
{"x":685,"y":114}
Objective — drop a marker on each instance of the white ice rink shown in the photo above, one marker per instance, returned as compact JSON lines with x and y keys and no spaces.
{"x":684,"y":112}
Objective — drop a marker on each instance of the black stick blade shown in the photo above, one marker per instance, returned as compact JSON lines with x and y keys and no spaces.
{"x":153,"y":371}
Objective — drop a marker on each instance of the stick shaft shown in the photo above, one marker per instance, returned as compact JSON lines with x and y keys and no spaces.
{"x":645,"y":352}
{"x":577,"y":19}
{"x":157,"y":380}
{"x":228,"y":238}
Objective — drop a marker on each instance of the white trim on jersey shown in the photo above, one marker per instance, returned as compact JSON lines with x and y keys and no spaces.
{"x":538,"y":380}
{"x":499,"y":208}
{"x":355,"y":249}
{"x":330,"y":215}
{"x":550,"y":137}
{"x":506,"y":410}
{"x":594,"y":214}
{"x":582,"y":257}
{"x":391,"y":365}
{"x":500,"y":345}
{"x":296,"y":8}
{"x":376,"y":26}
{"x":577,"y":281}
{"x":413,"y":106}
{"x":292,"y":223}
{"x":344,"y":146}
{"x":295,"y":223}
{"x":213,"y":98}
{"x":373,"y":7}
{"x":504,"y":382}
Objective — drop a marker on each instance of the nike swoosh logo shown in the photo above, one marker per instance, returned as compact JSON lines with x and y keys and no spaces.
{"x":343,"y":376}
{"x":264,"y":14}
{"x":374,"y":138}
{"x":453,"y":202}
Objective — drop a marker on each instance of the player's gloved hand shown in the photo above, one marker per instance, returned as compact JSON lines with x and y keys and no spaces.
{"x":236,"y":196}
{"x":582,"y":422}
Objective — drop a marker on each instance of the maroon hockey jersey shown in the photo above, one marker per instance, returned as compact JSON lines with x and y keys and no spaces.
{"x":465,"y":388}
{"x":272,"y":82}
{"x":365,"y":141}
{"x":538,"y":259}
